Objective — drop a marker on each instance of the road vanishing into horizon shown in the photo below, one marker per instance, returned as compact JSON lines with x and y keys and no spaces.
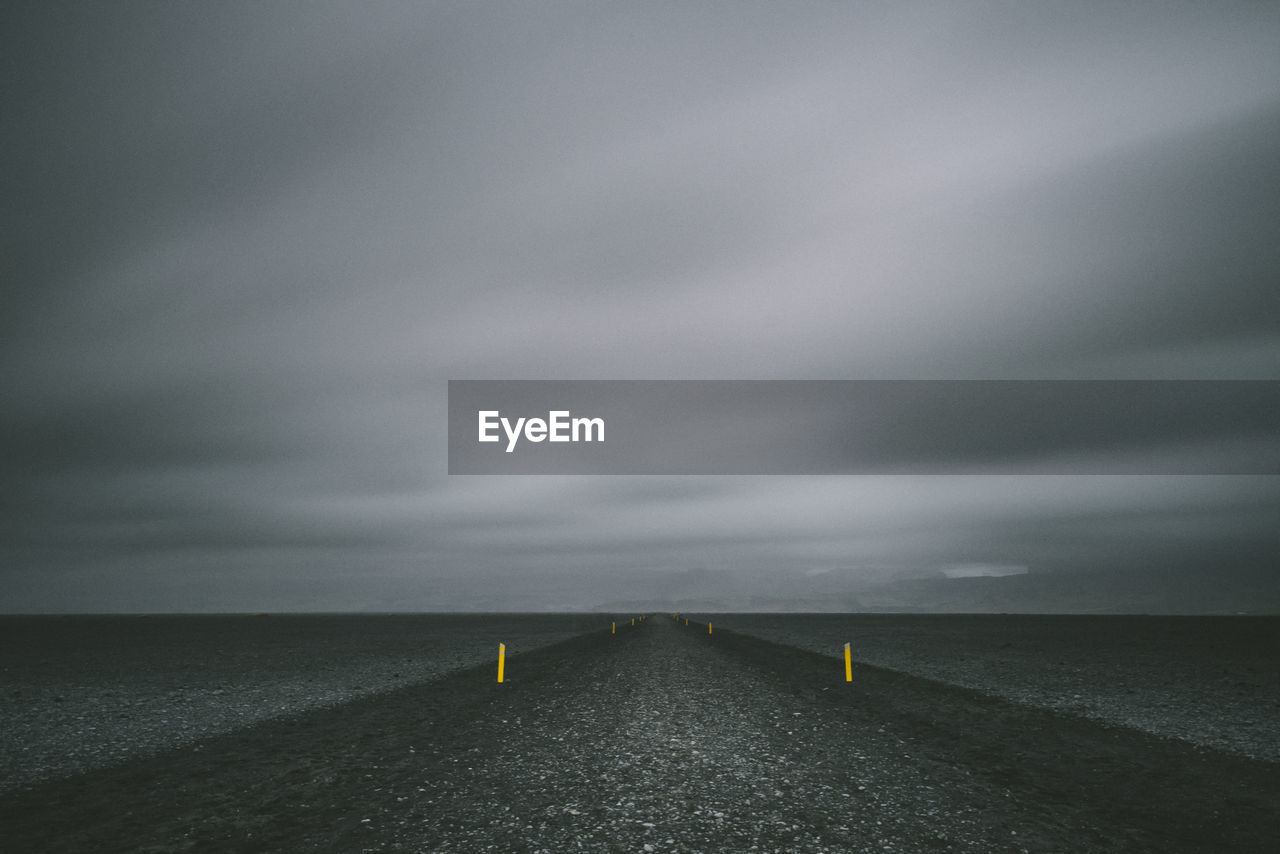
{"x":664,"y":738}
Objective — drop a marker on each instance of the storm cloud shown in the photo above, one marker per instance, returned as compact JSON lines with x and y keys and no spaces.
{"x":245,"y":246}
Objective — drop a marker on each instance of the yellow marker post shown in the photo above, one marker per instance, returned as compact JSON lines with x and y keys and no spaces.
{"x":633,"y":621}
{"x":708,"y":628}
{"x":613,"y":628}
{"x":848,"y":664}
{"x":686,"y":621}
{"x":502,"y":659}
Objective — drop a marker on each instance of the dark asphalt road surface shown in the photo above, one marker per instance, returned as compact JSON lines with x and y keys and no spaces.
{"x":662,"y":738}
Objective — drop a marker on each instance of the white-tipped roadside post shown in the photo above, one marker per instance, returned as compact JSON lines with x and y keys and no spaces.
{"x":848,"y":664}
{"x":502,"y":659}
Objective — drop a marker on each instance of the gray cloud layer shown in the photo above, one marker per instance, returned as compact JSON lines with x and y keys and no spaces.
{"x":245,"y":245}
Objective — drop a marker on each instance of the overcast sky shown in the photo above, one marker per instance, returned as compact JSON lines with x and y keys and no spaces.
{"x":245,"y":245}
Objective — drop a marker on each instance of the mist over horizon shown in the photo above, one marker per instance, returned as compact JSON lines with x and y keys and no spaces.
{"x":246,"y":246}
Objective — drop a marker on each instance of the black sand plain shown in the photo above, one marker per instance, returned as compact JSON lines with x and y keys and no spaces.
{"x":664,"y":738}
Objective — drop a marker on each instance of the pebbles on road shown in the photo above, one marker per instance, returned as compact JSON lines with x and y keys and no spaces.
{"x":671,"y":744}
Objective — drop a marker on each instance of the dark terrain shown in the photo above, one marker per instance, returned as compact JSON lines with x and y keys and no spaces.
{"x":1209,"y":681}
{"x":662,"y":738}
{"x":79,"y":692}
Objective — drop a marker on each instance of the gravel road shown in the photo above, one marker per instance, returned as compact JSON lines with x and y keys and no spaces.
{"x":664,"y":738}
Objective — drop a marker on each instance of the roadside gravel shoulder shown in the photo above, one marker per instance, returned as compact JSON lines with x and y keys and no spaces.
{"x":1202,"y":680}
{"x":78,"y":693}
